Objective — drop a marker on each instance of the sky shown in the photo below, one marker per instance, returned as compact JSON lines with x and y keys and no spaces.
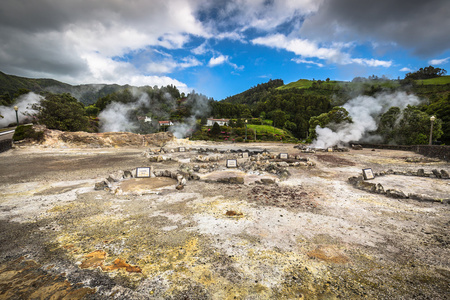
{"x":220,"y":48}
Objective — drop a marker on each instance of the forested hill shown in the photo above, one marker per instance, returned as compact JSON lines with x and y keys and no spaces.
{"x":254,"y":94}
{"x":292,"y":106}
{"x":11,"y":86}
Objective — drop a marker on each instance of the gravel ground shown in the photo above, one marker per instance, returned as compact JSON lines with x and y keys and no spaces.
{"x":309,"y":236}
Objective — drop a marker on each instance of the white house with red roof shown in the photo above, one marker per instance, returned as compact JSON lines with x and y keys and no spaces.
{"x":165,"y":123}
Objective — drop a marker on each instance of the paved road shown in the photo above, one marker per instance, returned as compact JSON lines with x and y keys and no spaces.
{"x":6,"y":135}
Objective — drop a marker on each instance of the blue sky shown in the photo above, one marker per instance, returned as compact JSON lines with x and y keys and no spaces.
{"x":220,"y":48}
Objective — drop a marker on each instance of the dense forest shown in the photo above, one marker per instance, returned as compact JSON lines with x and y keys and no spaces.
{"x":298,"y":107}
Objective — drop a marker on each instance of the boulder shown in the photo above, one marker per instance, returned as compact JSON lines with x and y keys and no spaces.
{"x":116,"y":176}
{"x":444,"y":174}
{"x":436,"y":173}
{"x":99,"y":186}
{"x":421,"y":172}
{"x":394,"y":193}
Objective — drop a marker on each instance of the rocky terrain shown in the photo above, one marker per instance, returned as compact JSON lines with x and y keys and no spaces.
{"x":76,"y":223}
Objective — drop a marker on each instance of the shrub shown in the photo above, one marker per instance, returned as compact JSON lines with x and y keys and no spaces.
{"x":27,"y":132}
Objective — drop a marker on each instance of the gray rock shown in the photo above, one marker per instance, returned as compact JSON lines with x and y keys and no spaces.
{"x":116,"y":176}
{"x":127,"y":174}
{"x":99,"y":186}
{"x":394,"y":193}
{"x":444,"y":174}
{"x":436,"y":173}
{"x":267,"y":181}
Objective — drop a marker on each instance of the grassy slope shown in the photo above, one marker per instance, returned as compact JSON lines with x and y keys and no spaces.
{"x":435,"y":81}
{"x":305,"y":84}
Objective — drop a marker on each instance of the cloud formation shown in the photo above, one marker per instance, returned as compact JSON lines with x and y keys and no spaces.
{"x":308,"y":49}
{"x":158,"y":42}
{"x":421,"y":26}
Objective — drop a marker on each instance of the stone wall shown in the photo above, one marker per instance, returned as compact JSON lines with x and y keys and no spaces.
{"x":441,"y":152}
{"x":5,"y":145}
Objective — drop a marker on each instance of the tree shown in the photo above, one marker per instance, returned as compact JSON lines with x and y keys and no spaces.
{"x":426,"y":73}
{"x":62,"y":112}
{"x":215,"y":131}
{"x":337,"y":115}
{"x":387,"y":124}
{"x":414,"y":127}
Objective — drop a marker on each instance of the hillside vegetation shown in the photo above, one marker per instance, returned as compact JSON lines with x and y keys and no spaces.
{"x":295,"y":108}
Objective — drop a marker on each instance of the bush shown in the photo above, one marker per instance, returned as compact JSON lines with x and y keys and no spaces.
{"x":239,"y":139}
{"x":27,"y":132}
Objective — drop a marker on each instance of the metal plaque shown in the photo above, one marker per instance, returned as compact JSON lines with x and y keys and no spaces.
{"x":142,"y":172}
{"x":284,"y":156}
{"x":368,"y":174}
{"x":231,"y":163}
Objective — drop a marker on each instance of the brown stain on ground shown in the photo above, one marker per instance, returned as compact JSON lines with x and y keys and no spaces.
{"x":25,"y":279}
{"x":328,"y":254}
{"x":232,"y":213}
{"x":97,"y":258}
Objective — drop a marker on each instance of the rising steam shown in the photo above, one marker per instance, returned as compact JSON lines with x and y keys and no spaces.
{"x":364,"y":111}
{"x":199,"y":108}
{"x":24,"y":103}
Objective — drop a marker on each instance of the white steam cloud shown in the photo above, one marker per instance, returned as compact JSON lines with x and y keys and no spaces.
{"x":116,"y":116}
{"x":199,"y":108}
{"x":364,"y":111}
{"x":24,"y":103}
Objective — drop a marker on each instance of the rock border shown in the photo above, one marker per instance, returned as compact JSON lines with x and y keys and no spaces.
{"x":109,"y":184}
{"x":376,"y":188}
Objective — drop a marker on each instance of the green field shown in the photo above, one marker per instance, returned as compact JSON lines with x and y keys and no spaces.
{"x":269,"y":129}
{"x":305,"y":84}
{"x":299,"y":84}
{"x":434,"y":81}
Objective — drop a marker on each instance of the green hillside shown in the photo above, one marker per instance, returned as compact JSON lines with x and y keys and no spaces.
{"x":11,"y":85}
{"x":434,"y":81}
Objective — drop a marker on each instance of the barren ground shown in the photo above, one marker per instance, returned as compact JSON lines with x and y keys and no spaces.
{"x":311,"y":236}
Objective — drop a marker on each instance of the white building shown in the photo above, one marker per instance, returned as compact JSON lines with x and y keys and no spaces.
{"x":221,"y":122}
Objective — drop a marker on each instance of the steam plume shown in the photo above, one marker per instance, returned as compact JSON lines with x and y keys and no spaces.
{"x":24,"y":103}
{"x":364,"y":111}
{"x":116,"y":116}
{"x":199,"y":108}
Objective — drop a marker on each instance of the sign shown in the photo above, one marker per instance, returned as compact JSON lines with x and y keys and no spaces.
{"x":284,"y":156}
{"x":142,"y":172}
{"x":231,"y":163}
{"x":244,"y":154}
{"x":368,"y":174}
{"x":181,"y":149}
{"x":330,"y":149}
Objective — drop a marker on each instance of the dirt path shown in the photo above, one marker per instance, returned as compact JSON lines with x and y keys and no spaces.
{"x":310,"y":236}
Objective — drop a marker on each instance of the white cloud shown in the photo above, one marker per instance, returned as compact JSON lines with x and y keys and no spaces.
{"x":372,"y":62}
{"x":223,"y":59}
{"x":309,"y":49}
{"x":79,"y":47}
{"x":405,"y":69}
{"x":442,"y":61}
{"x":304,"y":61}
{"x":106,"y":70}
{"x":170,"y":65}
{"x":219,"y":60}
